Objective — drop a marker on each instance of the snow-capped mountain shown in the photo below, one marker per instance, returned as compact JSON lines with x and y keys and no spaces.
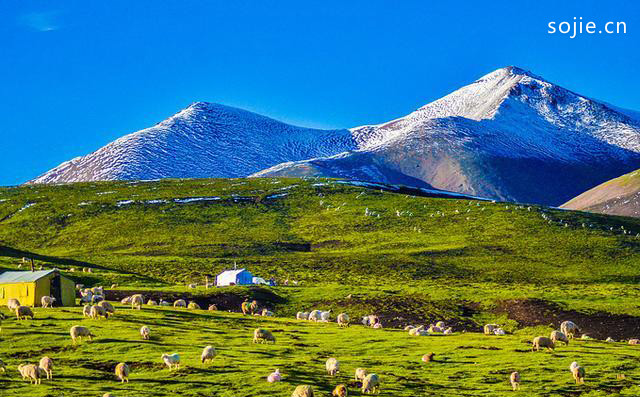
{"x":203,"y":140}
{"x":509,"y":135}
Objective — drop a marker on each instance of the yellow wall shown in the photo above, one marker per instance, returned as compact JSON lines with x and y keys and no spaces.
{"x":24,"y":292}
{"x":30,"y":294}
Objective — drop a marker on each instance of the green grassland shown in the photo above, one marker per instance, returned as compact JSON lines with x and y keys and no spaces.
{"x":416,"y":260}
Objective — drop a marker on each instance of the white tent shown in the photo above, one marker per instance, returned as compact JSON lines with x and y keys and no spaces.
{"x":234,"y":277}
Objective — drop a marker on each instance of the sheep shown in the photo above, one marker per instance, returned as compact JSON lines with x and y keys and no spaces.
{"x":609,"y":339}
{"x":126,"y":300}
{"x":569,"y":328}
{"x":13,"y":304}
{"x":427,"y":358}
{"x":448,"y":331}
{"x":440,"y":324}
{"x":514,"y":378}
{"x":274,"y":377}
{"x":97,"y":290}
{"x":86,"y":296}
{"x":108,"y":307}
{"x":263,"y":336}
{"x":585,"y":337}
{"x":97,"y":298}
{"x":433,"y":329}
{"x":360,"y":374}
{"x":370,"y":320}
{"x":417,"y":331}
{"x":490,"y":328}
{"x":377,"y":325}
{"x":208,"y":354}
{"x":122,"y":372}
{"x":267,"y":313}
{"x":408,"y":327}
{"x":578,"y":374}
{"x":145,"y":332}
{"x":302,"y":315}
{"x":324,"y":316}
{"x":370,"y":384}
{"x":193,"y":306}
{"x":98,"y":311}
{"x":314,"y":315}
{"x":171,"y":360}
{"x":22,"y":312}
{"x":246,"y":307}
{"x":634,"y":341}
{"x":557,"y":336}
{"x":333,"y":366}
{"x":343,"y":320}
{"x":86,"y":310}
{"x":164,"y":303}
{"x":499,"y":332}
{"x":136,"y":301}
{"x":303,"y":391}
{"x":212,"y":307}
{"x":114,"y":286}
{"x":46,"y":364}
{"x":31,"y":372}
{"x":339,"y":391}
{"x":151,"y":302}
{"x":542,"y":342}
{"x":180,"y":303}
{"x":78,"y":332}
{"x":47,"y":301}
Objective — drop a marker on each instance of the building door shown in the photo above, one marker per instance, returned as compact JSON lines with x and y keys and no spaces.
{"x":56,"y":290}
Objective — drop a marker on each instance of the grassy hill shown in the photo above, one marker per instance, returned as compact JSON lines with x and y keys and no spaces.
{"x":618,"y":196}
{"x":411,"y":259}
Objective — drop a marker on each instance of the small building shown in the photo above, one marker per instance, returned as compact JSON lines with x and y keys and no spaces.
{"x":234,"y":277}
{"x":29,"y":287}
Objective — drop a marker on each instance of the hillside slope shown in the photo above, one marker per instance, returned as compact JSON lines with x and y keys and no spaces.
{"x":619,"y":196}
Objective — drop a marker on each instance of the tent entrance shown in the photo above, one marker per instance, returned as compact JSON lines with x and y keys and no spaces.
{"x":56,"y":289}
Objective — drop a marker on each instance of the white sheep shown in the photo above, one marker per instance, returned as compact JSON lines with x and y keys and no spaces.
{"x":333,"y":366}
{"x":22,"y":312}
{"x":137,"y":301}
{"x":343,"y":320}
{"x":274,"y":377}
{"x":208,"y":354}
{"x":499,"y":332}
{"x":267,"y":313}
{"x":86,"y":310}
{"x":78,"y":332}
{"x":13,"y":304}
{"x":193,"y":306}
{"x":302,"y":315}
{"x":46,"y":364}
{"x":108,"y":307}
{"x":360,"y":374}
{"x":371,"y":384}
{"x":569,"y":328}
{"x":448,"y":331}
{"x":164,"y":303}
{"x":558,"y":336}
{"x":490,"y":328}
{"x":180,"y":303}
{"x":314,"y":315}
{"x":122,"y":372}
{"x":171,"y":360}
{"x":303,"y":391}
{"x":98,"y":311}
{"x":47,"y":301}
{"x":126,"y":300}
{"x":31,"y":372}
{"x":145,"y":332}
{"x":515,"y":380}
{"x":151,"y":302}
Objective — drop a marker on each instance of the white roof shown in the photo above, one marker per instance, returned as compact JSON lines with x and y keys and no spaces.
{"x":233,"y":272}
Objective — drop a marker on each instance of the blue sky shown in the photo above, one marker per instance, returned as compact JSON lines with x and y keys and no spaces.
{"x":77,"y":75}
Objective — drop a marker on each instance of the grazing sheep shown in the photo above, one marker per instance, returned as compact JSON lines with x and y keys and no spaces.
{"x":569,"y":328}
{"x":98,"y":311}
{"x":172,"y":360}
{"x":137,"y":301}
{"x":267,"y":313}
{"x":263,"y":336}
{"x":31,"y":372}
{"x":557,"y":336}
{"x":609,"y":339}
{"x":145,"y":332}
{"x":448,"y":331}
{"x":417,"y":331}
{"x":371,"y":384}
{"x":634,"y":341}
{"x":47,"y":301}
{"x":302,"y":315}
{"x":13,"y":304}
{"x":193,"y":306}
{"x":490,"y":328}
{"x":22,"y":312}
{"x":97,"y":298}
{"x":324,"y":316}
{"x":114,"y":286}
{"x":164,"y":303}
{"x":340,"y":391}
{"x":208,"y":354}
{"x":122,"y":372}
{"x":274,"y":377}
{"x":314,"y":315}
{"x":126,"y":300}
{"x":86,"y":296}
{"x":180,"y":303}
{"x":361,"y":373}
{"x":440,"y":324}
{"x":515,"y":380}
{"x":212,"y":307}
{"x":370,"y":320}
{"x":540,"y":342}
{"x":108,"y":307}
{"x":151,"y":302}
{"x":303,"y":391}
{"x":578,"y":374}
{"x":499,"y":332}
{"x":78,"y":332}
{"x":46,"y":364}
{"x":427,"y":358}
{"x":343,"y":320}
{"x":433,"y":329}
{"x":333,"y":366}
{"x":573,"y":365}
{"x":377,"y":325}
{"x":408,"y":327}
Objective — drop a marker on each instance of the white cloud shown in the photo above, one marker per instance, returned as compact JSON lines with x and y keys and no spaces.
{"x":41,"y":21}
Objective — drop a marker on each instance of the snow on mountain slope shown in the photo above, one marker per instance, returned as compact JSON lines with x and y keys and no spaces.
{"x":510,"y":135}
{"x":203,"y":140}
